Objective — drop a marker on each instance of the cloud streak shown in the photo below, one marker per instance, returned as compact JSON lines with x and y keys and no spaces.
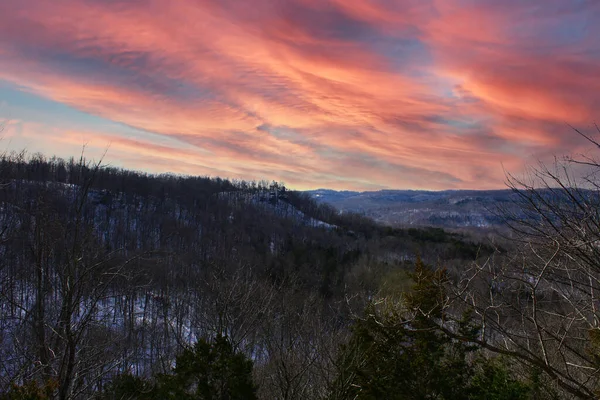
{"x":346,"y":94}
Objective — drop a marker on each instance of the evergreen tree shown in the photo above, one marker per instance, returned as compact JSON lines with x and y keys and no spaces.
{"x":397,"y":352}
{"x":208,"y":371}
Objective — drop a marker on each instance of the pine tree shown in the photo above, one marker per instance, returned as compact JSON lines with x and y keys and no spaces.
{"x":397,"y":351}
{"x":207,"y":371}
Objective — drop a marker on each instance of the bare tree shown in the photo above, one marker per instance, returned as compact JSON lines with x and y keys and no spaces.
{"x":60,"y":291}
{"x":539,"y":304}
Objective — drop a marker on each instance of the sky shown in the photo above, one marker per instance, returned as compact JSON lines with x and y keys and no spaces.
{"x":340,"y":94}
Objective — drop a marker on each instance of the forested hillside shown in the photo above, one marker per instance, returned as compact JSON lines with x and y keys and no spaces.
{"x":445,"y":209}
{"x":116,"y":284}
{"x":106,"y":271}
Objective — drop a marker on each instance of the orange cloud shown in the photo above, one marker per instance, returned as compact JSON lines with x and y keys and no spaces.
{"x":347,"y":94}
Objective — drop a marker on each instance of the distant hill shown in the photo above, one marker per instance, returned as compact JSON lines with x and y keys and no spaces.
{"x":447,"y":209}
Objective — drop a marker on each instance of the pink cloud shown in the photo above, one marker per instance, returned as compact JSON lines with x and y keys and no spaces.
{"x":360,"y":93}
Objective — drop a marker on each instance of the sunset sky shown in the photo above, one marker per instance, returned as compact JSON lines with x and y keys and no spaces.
{"x":342,"y":94}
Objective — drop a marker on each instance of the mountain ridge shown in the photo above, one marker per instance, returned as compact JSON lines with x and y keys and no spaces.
{"x":446,"y":208}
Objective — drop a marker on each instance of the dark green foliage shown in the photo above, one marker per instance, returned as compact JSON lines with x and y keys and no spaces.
{"x":494,"y":381}
{"x":396,"y":356}
{"x":208,"y":371}
{"x":396,"y":352}
{"x":386,"y":360}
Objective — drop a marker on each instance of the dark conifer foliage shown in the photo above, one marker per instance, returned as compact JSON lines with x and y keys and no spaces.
{"x":206,"y":371}
{"x":396,"y":352}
